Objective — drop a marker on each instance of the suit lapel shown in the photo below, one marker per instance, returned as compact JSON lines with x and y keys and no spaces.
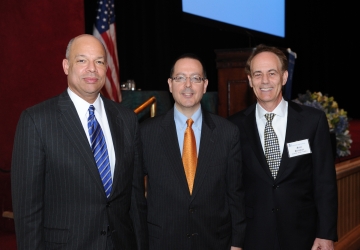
{"x":118,"y":137}
{"x":170,"y":144}
{"x":249,"y":123}
{"x":71,"y":124}
{"x":206,"y":149}
{"x":293,"y":123}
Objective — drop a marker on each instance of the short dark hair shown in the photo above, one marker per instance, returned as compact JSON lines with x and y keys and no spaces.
{"x":188,"y":55}
{"x":264,"y":48}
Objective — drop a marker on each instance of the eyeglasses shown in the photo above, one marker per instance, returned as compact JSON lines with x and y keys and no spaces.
{"x":193,"y":79}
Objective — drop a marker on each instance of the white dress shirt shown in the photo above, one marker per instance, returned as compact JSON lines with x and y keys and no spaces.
{"x":279,"y":122}
{"x":82,"y":108}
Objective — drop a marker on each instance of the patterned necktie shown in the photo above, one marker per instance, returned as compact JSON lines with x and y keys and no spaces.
{"x":99,"y":148}
{"x":272,"y":148}
{"x":189,"y":156}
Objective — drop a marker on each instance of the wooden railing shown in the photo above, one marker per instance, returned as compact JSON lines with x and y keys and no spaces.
{"x":150,"y":102}
{"x":348,"y":181}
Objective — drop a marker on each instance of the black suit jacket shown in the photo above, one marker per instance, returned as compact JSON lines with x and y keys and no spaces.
{"x":58,"y":197}
{"x":301,"y":203}
{"x":212,"y":217}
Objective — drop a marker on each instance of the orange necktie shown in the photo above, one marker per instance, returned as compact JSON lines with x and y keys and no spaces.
{"x":189,"y":156}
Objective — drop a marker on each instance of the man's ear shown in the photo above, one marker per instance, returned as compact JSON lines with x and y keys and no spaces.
{"x":170,"y":84}
{"x":250,"y":83}
{"x":65,"y":64}
{"x":206,"y":83}
{"x":285,"y":77}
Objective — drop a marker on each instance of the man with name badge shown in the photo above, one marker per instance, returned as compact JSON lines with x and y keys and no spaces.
{"x":288,"y":165}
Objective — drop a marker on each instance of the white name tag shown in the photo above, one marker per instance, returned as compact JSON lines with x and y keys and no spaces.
{"x":299,"y":148}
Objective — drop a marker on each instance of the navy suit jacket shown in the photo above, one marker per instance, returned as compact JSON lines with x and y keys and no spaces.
{"x":301,"y":203}
{"x":58,"y":196}
{"x":213,"y":216}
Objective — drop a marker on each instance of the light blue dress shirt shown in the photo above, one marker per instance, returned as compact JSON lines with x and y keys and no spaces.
{"x":180,"y":123}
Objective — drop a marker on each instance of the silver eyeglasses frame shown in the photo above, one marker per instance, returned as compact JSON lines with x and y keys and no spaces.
{"x":193,"y":79}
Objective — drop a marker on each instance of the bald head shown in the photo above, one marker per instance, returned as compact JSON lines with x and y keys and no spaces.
{"x":83,"y":36}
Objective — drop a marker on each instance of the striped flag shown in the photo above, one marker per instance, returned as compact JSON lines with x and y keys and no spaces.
{"x":104,"y":29}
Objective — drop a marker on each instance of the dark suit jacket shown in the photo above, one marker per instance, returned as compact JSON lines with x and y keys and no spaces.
{"x":301,"y":203}
{"x":213,"y":217}
{"x":58,"y":197}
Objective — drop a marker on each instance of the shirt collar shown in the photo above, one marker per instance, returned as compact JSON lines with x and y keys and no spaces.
{"x":82,"y":106}
{"x":181,"y":118}
{"x":280,"y":110}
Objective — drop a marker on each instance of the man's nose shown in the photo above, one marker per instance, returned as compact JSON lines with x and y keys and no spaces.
{"x":188,"y":82}
{"x":265,"y":79}
{"x":91,"y":67}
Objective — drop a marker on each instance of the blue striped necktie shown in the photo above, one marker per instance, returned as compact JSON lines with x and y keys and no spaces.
{"x":99,"y":149}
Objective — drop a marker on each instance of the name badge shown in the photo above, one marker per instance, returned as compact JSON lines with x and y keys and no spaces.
{"x":298,"y":148}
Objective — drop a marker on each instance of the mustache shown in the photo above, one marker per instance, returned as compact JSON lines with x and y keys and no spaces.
{"x":188,"y":90}
{"x":91,"y":76}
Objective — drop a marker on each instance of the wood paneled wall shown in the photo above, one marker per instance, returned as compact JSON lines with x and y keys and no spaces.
{"x":348,"y":180}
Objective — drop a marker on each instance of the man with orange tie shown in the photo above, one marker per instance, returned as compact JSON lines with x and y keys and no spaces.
{"x":193,"y":163}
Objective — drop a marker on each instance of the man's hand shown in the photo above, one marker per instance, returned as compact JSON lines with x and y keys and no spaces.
{"x":322,"y":244}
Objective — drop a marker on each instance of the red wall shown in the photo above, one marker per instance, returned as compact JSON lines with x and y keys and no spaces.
{"x":33,"y":39}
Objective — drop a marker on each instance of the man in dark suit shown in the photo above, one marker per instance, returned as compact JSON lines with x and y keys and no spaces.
{"x":59,"y":199}
{"x":187,"y":212}
{"x":293,"y":205}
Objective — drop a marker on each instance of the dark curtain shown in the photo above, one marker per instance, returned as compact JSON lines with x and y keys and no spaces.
{"x":33,"y":40}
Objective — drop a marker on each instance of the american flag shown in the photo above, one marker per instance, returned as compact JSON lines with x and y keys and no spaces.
{"x":104,"y":29}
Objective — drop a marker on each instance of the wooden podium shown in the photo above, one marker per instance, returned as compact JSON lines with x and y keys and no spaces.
{"x":234,"y":92}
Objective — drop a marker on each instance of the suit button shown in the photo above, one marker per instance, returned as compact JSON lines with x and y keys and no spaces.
{"x":103,"y":232}
{"x":192,"y":235}
{"x":191,"y":210}
{"x":108,"y":204}
{"x":275,"y":186}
